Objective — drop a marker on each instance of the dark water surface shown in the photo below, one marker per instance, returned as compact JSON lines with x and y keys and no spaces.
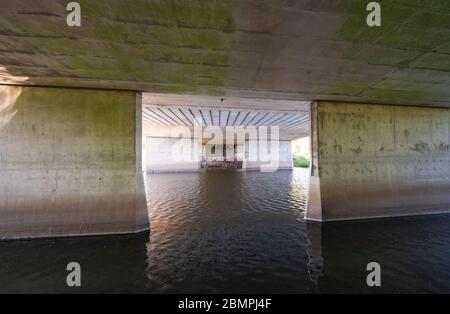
{"x":238,"y":232}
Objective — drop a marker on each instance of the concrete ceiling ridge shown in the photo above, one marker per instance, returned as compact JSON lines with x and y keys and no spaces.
{"x":220,"y":117}
{"x":225,"y":109}
{"x":211,"y":102}
{"x":265,"y":114}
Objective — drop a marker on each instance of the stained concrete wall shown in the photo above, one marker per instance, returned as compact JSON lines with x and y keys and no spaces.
{"x":70,"y":163}
{"x":377,"y":161}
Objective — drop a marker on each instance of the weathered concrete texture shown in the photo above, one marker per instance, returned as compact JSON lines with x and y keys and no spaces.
{"x":276,"y":49}
{"x":70,"y":163}
{"x":377,"y":161}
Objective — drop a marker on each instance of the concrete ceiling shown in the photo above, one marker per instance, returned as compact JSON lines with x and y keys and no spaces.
{"x":190,"y":117}
{"x":292,"y":117}
{"x":268,"y":49}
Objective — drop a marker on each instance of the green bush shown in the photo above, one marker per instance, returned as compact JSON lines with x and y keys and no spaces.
{"x":301,"y":162}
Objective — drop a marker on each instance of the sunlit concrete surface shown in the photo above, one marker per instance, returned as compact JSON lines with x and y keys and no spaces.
{"x":70,"y":163}
{"x":376,"y":161}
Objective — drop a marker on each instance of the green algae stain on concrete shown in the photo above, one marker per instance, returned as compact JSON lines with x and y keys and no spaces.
{"x":393,"y":15}
{"x":384,"y":45}
{"x":174,"y":46}
{"x":399,"y":43}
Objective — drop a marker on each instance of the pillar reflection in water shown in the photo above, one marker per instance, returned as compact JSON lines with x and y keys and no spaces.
{"x":314,"y":251}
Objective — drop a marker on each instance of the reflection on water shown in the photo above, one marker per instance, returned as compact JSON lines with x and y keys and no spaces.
{"x":233,"y":232}
{"x":414,"y":254}
{"x":314,"y":249}
{"x":219,"y":231}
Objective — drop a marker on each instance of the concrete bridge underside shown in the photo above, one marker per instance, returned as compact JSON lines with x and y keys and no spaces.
{"x":70,"y":101}
{"x":275,"y":49}
{"x":217,"y":135}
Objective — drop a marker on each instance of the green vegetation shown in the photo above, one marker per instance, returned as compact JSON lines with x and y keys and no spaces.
{"x":300,"y":152}
{"x":301,"y":162}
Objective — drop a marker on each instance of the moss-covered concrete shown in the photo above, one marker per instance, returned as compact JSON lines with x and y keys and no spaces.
{"x":172,"y":45}
{"x":410,"y":33}
{"x":297,"y":50}
{"x":70,"y":163}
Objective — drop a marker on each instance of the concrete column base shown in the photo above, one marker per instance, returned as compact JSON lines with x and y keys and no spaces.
{"x":70,"y":163}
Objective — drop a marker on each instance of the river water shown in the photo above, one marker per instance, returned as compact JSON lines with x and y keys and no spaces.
{"x":238,"y":232}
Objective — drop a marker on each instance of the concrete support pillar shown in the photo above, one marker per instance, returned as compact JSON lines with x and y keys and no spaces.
{"x":372,"y":161}
{"x":70,"y":163}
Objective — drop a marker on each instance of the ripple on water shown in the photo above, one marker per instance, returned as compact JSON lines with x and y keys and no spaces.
{"x":231,"y":232}
{"x":237,"y":225}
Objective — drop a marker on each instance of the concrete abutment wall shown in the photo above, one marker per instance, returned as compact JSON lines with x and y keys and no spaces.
{"x":373,"y":161}
{"x":70,"y":163}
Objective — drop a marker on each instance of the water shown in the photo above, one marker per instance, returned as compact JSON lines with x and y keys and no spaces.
{"x":238,"y":232}
{"x":227,"y":231}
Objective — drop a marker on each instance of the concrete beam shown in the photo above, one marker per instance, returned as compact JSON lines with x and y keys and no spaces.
{"x":225,"y":103}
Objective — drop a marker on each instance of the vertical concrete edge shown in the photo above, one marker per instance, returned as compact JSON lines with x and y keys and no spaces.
{"x":142,"y":219}
{"x":314,"y":202}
